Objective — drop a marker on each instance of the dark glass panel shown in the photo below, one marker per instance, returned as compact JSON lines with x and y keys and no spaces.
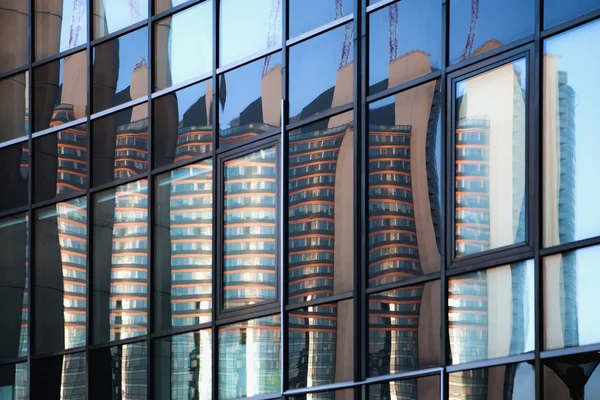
{"x":120,"y":262}
{"x":112,"y":15}
{"x":60,"y":163}
{"x":250,"y":248}
{"x":404,"y":326}
{"x":120,"y":71}
{"x":14,"y":107}
{"x":572,"y":377}
{"x":491,"y":313}
{"x":405,"y":197}
{"x":559,"y":11}
{"x":59,"y":25}
{"x":119,"y":372}
{"x":164,"y":5}
{"x":120,"y":145}
{"x":424,"y":388}
{"x":306,"y":15}
{"x":571,"y":144}
{"x":248,"y":27}
{"x":60,"y":91}
{"x":320,"y":345}
{"x":479,"y":27}
{"x":322,"y":73}
{"x":404,"y":43}
{"x":344,"y":394}
{"x":183,"y":246}
{"x":14,"y":382}
{"x":184,"y":128}
{"x":249,"y":358}
{"x":490,"y":117}
{"x":509,"y":382}
{"x":182,"y":366}
{"x":183,"y":46}
{"x":60,"y":270}
{"x":59,"y":377}
{"x":250,"y":100}
{"x":14,"y":31}
{"x":14,"y":169}
{"x":14,"y":290}
{"x":321,"y":209}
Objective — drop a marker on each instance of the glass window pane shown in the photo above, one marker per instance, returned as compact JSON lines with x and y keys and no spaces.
{"x":322,"y":73}
{"x":183,"y":46}
{"x":559,"y":11}
{"x":183,"y":246}
{"x":164,"y":5}
{"x":320,"y":345}
{"x":344,"y":394}
{"x":14,"y":107}
{"x":60,"y":270}
{"x":238,"y":18}
{"x":570,"y":140}
{"x":572,"y":377}
{"x":306,"y":15}
{"x":404,"y":326}
{"x":14,"y":384}
{"x":488,"y":26}
{"x":14,"y":288}
{"x":511,"y":382}
{"x":59,"y":25}
{"x":404,"y":43}
{"x":112,"y":15}
{"x":182,"y":366}
{"x":120,"y":145}
{"x":14,"y":169}
{"x":120,"y":263}
{"x":405,"y":197}
{"x":490,"y":117}
{"x":249,"y":358}
{"x":424,"y":388}
{"x":184,"y":128}
{"x":14,"y":31}
{"x":120,"y":71}
{"x":321,"y":209}
{"x":60,"y":163}
{"x":254,"y":107}
{"x":119,"y":372}
{"x":59,"y":377}
{"x":250,"y":248}
{"x":491,"y":313}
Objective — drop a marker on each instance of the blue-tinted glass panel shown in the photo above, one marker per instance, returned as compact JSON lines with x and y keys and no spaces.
{"x":559,"y":11}
{"x":511,"y":382}
{"x":112,"y":15}
{"x":14,"y":113}
{"x":119,"y":372}
{"x":423,"y":388}
{"x":60,"y":25}
{"x":15,"y":382}
{"x":14,"y":31}
{"x":14,"y":168}
{"x":306,"y":15}
{"x":59,"y":377}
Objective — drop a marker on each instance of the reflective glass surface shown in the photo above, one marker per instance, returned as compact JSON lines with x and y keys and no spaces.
{"x":14,"y":382}
{"x":60,"y":270}
{"x":344,"y":394}
{"x":14,"y":169}
{"x":120,"y":145}
{"x":490,"y":118}
{"x":491,"y":313}
{"x":183,"y":46}
{"x":250,"y":248}
{"x":321,"y":73}
{"x":320,"y":344}
{"x":404,"y":43}
{"x":183,"y":366}
{"x":183,"y":246}
{"x":119,"y":372}
{"x":509,"y":382}
{"x":14,"y":291}
{"x":112,"y":15}
{"x":249,"y":358}
{"x":60,"y":163}
{"x":405,"y":197}
{"x":572,"y":377}
{"x":479,"y":27}
{"x":14,"y":107}
{"x":321,"y":209}
{"x":59,"y":25}
{"x":248,"y":27}
{"x":59,"y":377}
{"x":571,"y":144}
{"x":424,"y":388}
{"x":250,"y":100}
{"x":559,"y":11}
{"x":120,"y":70}
{"x":404,"y":326}
{"x":184,"y":128}
{"x":164,"y":5}
{"x":14,"y":31}
{"x":120,"y":262}
{"x":306,"y":15}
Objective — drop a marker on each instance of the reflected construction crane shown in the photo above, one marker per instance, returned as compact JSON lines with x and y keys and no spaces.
{"x":339,"y":13}
{"x":393,"y":10}
{"x":77,"y":21}
{"x":472,"y":28}
{"x":134,"y":8}
{"x":273,"y":32}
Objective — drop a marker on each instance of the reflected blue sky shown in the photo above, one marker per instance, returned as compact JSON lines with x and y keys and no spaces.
{"x":306,"y":15}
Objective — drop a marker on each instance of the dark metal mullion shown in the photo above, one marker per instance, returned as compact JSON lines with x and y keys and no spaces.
{"x":174,"y":10}
{"x":421,"y":279}
{"x":565,"y":26}
{"x":89,"y":201}
{"x":14,"y":71}
{"x":30,"y":238}
{"x":116,"y":343}
{"x":58,"y":56}
{"x":216,"y":208}
{"x":566,"y":247}
{"x":320,"y":116}
{"x":336,"y":298}
{"x":283,"y":202}
{"x":117,"y":34}
{"x":150,"y":384}
{"x":413,"y":83}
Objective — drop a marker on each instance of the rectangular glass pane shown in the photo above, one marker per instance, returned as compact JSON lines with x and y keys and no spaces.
{"x":344,"y":394}
{"x":119,"y":372}
{"x":15,"y":382}
{"x":112,"y":15}
{"x":490,"y":117}
{"x":14,"y":107}
{"x":120,"y":263}
{"x":424,"y":388}
{"x":321,"y":209}
{"x":572,"y":377}
{"x":60,"y":25}
{"x":14,"y":31}
{"x":60,"y":270}
{"x":491,"y":313}
{"x":559,"y":11}
{"x":250,"y":248}
{"x":14,"y":169}
{"x":183,"y":216}
{"x":59,"y":377}
{"x":513,"y":381}
{"x":249,"y":358}
{"x":306,"y":15}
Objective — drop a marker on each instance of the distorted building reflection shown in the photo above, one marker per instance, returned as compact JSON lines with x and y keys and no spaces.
{"x":120,"y":372}
{"x":510,"y":382}
{"x":59,"y":377}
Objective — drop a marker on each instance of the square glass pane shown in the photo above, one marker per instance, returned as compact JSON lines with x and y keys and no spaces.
{"x":59,"y":377}
{"x":112,"y":15}
{"x":321,"y":209}
{"x":14,"y":107}
{"x":306,"y":15}
{"x":250,"y":358}
{"x":491,"y":313}
{"x":14,"y":31}
{"x":183,"y":246}
{"x":423,"y":388}
{"x":183,"y":47}
{"x":60,"y":270}
{"x":572,"y":377}
{"x":404,"y":185}
{"x":120,"y":263}
{"x":250,"y":225}
{"x":558,"y":11}
{"x":14,"y":169}
{"x":513,"y":381}
{"x":60,"y":25}
{"x":15,"y":382}
{"x":490,"y":120}
{"x":344,"y":394}
{"x":119,"y":372}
